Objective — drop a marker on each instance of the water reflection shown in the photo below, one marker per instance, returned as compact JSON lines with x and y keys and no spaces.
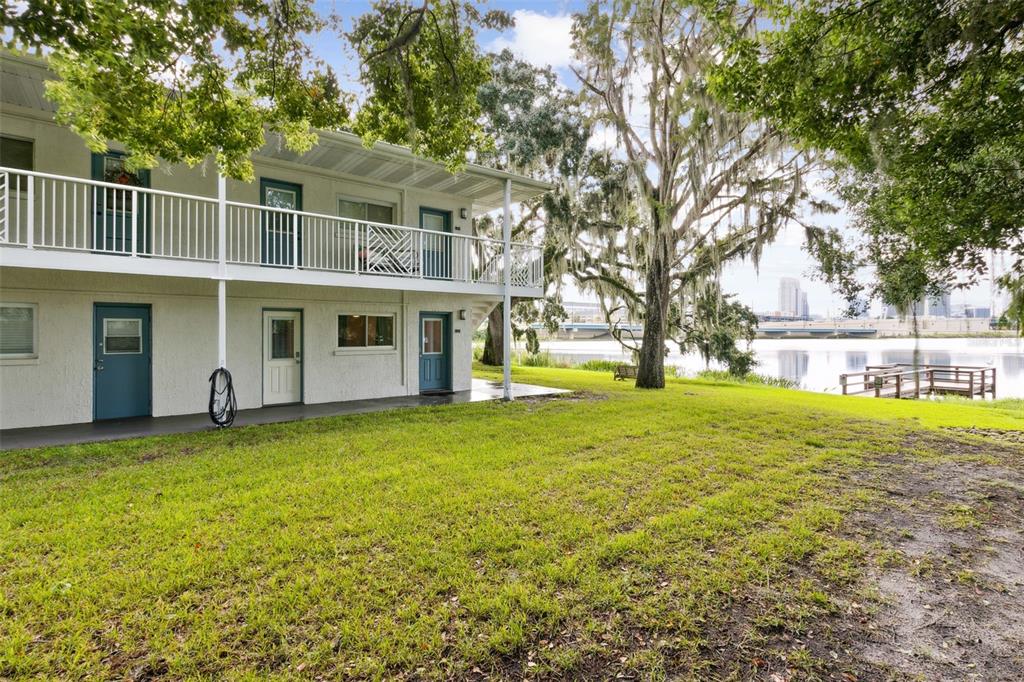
{"x":1013,"y":365}
{"x":906,"y":357}
{"x":793,"y":365}
{"x":817,"y":363}
{"x":856,"y":360}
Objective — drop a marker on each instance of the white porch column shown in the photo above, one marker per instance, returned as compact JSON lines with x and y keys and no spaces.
{"x":222,"y":258}
{"x":506,"y":236}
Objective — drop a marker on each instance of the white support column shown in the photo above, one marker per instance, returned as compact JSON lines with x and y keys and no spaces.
{"x":222,"y":257}
{"x":506,"y":237}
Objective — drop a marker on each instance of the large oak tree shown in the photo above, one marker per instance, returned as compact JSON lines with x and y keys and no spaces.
{"x":695,"y":184}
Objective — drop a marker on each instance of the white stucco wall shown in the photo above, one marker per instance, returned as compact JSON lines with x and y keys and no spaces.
{"x":56,"y":388}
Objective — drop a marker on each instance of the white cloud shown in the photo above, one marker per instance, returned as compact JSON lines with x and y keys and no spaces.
{"x":541,"y":39}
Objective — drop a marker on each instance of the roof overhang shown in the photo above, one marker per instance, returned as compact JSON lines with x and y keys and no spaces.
{"x":340,"y":152}
{"x":345,"y":153}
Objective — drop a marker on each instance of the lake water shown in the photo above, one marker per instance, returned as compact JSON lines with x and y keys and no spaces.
{"x":815,"y":364}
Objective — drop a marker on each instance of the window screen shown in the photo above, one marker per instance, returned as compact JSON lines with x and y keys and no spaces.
{"x":17,"y":330}
{"x":380,"y":214}
{"x":363,"y":210}
{"x":15,"y":153}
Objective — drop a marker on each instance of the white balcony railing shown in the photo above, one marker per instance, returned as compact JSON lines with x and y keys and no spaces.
{"x":44,"y":211}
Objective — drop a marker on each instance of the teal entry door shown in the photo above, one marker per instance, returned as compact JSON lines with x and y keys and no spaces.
{"x":435,"y":352}
{"x":122,"y":367}
{"x":280,"y":231}
{"x":437,"y":243}
{"x":120,"y":216}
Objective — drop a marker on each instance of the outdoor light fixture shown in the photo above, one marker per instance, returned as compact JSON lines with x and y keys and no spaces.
{"x":462,"y":313}
{"x":463,"y":213}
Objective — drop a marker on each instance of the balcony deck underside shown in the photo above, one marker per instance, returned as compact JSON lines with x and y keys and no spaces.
{"x":49,"y":259}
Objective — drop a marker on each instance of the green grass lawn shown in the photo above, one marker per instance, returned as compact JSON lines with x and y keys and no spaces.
{"x":612,"y":531}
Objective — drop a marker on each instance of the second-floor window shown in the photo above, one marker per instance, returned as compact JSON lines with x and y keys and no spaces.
{"x":15,"y":153}
{"x":366,"y":210}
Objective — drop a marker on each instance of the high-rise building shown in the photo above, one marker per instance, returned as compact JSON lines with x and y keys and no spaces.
{"x":938,"y":306}
{"x":789,"y":297}
{"x":933,"y":306}
{"x":792,"y":299}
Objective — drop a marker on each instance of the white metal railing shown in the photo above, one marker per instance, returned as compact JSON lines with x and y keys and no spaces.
{"x":44,"y":211}
{"x":39,"y":210}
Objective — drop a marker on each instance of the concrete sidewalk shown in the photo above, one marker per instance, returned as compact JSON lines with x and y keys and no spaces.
{"x":137,"y":427}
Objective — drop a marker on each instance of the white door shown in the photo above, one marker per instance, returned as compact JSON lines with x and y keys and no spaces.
{"x":282,"y":356}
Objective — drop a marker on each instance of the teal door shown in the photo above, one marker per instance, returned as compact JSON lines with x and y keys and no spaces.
{"x":122,"y":367}
{"x":117,"y":220}
{"x":280,"y":231}
{"x":437,"y":242}
{"x":435,"y":352}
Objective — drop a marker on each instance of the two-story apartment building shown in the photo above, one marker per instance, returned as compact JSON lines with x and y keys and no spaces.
{"x":343,"y":273}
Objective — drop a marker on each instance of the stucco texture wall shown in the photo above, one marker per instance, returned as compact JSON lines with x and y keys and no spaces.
{"x":56,"y":388}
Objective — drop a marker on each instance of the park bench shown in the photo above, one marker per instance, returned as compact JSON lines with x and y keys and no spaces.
{"x":625,"y":372}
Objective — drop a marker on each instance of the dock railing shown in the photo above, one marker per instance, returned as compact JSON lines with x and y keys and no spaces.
{"x":907,"y":381}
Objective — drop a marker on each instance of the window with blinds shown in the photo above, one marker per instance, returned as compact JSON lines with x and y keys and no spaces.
{"x":17,"y":330}
{"x":365,"y":210}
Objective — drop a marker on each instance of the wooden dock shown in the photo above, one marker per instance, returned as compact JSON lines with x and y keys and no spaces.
{"x":908,"y":381}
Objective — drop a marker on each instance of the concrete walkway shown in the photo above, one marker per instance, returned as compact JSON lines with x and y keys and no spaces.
{"x":120,"y":429}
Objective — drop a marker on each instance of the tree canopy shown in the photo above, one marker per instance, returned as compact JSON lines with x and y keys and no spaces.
{"x":922,"y":105}
{"x":183,"y":79}
{"x":423,"y":70}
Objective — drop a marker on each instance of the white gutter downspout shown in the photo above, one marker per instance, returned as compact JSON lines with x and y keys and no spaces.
{"x":506,"y":236}
{"x":222,"y":271}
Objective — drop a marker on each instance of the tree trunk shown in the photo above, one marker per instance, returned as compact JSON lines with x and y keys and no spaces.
{"x":494,"y":347}
{"x":651,"y":370}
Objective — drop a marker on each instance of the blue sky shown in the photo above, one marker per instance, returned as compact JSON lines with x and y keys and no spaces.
{"x":541,"y":36}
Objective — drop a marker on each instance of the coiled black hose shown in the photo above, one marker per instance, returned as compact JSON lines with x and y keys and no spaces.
{"x":222,"y":400}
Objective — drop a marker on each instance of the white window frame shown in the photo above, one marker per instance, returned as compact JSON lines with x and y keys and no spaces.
{"x":34,"y":355}
{"x":363,"y":200}
{"x":281,"y":224}
{"x":423,"y":335}
{"x":367,"y":350}
{"x":142,"y":336}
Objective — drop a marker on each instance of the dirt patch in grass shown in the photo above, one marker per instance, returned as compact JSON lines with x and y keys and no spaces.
{"x":949,"y":565}
{"x":1016,"y":437}
{"x":937,"y":595}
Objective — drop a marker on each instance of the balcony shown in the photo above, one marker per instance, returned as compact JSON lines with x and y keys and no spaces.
{"x":59,"y":222}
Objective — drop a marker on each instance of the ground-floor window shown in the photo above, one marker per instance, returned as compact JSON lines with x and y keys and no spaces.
{"x":366,"y":331}
{"x":18,"y":330}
